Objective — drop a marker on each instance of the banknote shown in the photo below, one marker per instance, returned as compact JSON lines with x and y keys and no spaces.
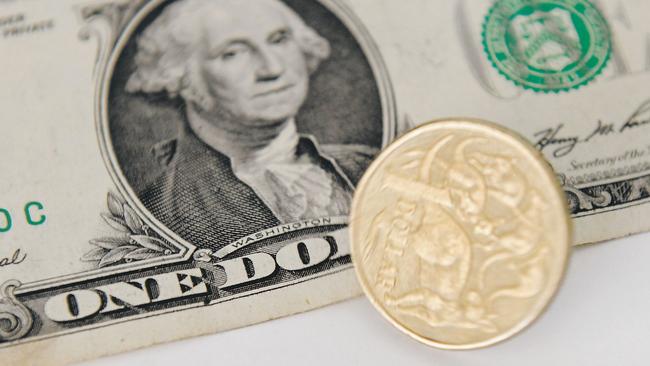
{"x":175,"y":168}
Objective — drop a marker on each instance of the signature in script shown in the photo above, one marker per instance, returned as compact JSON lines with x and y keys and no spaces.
{"x":564,"y":144}
{"x":16,"y":258}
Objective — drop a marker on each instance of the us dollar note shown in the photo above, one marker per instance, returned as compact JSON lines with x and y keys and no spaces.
{"x":174,"y":168}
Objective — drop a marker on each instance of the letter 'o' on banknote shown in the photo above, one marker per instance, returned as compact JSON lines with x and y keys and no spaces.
{"x":233,"y":133}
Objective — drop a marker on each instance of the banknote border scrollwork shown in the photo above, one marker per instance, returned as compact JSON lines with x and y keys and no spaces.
{"x":610,"y":196}
{"x":104,"y":22}
{"x":17,"y":319}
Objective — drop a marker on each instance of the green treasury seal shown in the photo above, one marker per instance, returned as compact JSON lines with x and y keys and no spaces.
{"x":547,"y":45}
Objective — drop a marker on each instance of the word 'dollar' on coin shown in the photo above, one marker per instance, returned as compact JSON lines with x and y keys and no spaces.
{"x":460,"y":234}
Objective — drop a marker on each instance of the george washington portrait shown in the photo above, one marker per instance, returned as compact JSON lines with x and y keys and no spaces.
{"x":236,"y":140}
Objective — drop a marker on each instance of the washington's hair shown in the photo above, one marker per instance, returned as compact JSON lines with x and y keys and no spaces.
{"x":165,"y":59}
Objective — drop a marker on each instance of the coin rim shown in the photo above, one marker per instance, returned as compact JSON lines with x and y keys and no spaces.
{"x":465,"y":123}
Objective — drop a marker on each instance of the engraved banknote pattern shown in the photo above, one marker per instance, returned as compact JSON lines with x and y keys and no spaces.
{"x":464,"y":244}
{"x":15,"y":318}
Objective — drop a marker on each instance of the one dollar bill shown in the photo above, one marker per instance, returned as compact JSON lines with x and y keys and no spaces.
{"x":175,"y":168}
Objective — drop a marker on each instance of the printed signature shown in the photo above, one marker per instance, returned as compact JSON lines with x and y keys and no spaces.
{"x":563,"y":145}
{"x":17,"y":258}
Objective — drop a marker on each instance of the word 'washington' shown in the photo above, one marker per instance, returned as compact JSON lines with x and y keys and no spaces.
{"x":282,"y":229}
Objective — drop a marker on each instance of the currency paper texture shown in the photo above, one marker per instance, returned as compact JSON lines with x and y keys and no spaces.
{"x":175,"y":168}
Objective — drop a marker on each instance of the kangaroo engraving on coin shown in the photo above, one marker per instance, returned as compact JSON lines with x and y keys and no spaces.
{"x":460,"y":234}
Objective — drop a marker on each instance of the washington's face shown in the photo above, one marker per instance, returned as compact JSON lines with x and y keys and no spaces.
{"x":253,"y":65}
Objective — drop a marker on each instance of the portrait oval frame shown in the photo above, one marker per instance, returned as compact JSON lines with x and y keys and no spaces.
{"x":341,"y":11}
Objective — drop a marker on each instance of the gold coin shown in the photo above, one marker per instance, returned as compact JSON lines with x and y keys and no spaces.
{"x":460,"y":234}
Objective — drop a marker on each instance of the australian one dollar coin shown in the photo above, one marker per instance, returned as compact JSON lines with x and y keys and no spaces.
{"x":460,"y":234}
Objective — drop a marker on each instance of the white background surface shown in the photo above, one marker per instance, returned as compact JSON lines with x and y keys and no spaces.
{"x":600,"y":317}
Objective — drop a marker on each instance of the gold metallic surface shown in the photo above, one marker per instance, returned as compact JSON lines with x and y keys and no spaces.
{"x":460,"y":234}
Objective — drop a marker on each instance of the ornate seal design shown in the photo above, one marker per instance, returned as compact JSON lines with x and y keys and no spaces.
{"x":547,"y":45}
{"x":15,"y":318}
{"x":460,"y":234}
